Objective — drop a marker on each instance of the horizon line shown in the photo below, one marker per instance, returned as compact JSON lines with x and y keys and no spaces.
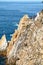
{"x":20,"y":1}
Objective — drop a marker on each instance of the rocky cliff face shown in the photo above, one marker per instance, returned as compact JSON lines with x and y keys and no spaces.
{"x":26,"y":45}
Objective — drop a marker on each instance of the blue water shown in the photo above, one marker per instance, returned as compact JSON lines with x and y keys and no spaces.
{"x":2,"y":60}
{"x":10,"y":14}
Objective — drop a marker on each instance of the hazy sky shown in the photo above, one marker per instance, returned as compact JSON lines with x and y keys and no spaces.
{"x":20,"y":0}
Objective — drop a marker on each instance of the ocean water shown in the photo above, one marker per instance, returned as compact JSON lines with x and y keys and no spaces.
{"x":10,"y":14}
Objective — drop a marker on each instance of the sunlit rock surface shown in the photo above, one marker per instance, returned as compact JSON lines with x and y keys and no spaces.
{"x":3,"y":45}
{"x":26,"y":45}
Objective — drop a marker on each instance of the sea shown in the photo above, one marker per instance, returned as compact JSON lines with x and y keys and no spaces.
{"x":10,"y":15}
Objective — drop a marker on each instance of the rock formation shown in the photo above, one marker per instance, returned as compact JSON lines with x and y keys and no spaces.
{"x":3,"y":45}
{"x":26,"y":45}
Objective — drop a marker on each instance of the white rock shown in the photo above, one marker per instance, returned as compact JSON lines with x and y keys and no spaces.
{"x":3,"y":43}
{"x":36,"y":16}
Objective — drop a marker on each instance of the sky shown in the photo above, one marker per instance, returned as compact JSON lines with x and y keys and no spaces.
{"x":19,"y":0}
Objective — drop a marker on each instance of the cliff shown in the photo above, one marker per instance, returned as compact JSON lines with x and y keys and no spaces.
{"x":26,"y":45}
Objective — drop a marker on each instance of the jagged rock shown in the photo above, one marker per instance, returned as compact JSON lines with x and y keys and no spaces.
{"x":26,"y":45}
{"x":3,"y":46}
{"x":39,"y":17}
{"x":3,"y":43}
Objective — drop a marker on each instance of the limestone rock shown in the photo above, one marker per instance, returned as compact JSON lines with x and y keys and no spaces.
{"x":26,"y":45}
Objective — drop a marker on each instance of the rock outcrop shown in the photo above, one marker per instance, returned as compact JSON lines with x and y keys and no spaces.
{"x":3,"y":45}
{"x":26,"y":45}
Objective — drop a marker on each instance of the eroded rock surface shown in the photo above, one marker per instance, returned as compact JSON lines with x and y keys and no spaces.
{"x":26,"y":45}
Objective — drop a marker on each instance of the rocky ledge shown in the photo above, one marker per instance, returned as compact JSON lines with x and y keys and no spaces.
{"x":26,"y":45}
